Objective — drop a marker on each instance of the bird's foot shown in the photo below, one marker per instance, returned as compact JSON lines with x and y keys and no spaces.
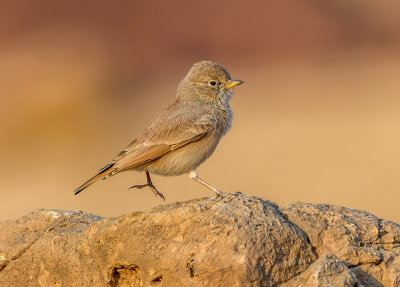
{"x":156,"y":192}
{"x":152,"y":188}
{"x":219,"y":193}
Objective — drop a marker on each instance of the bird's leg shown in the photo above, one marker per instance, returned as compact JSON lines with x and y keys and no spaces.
{"x":193,"y":175}
{"x":149,"y":184}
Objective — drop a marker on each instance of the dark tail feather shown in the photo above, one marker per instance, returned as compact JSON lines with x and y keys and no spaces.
{"x":103,"y":173}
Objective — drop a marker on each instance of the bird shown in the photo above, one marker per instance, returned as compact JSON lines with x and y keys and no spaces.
{"x":182,"y":136}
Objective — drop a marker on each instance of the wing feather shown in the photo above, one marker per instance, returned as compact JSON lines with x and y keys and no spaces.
{"x":163,"y":137}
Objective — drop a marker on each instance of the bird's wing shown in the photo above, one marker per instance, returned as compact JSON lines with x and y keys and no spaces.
{"x":163,"y":136}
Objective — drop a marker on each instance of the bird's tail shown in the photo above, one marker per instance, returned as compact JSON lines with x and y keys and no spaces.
{"x":103,"y":173}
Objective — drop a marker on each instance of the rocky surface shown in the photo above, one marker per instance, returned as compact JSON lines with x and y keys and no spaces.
{"x":237,"y":240}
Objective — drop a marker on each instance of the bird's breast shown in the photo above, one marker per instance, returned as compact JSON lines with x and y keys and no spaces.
{"x":224,"y":119}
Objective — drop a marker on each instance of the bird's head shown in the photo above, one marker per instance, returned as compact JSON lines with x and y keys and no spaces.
{"x":208,"y":80}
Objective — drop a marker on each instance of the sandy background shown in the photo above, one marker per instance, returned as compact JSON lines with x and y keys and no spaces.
{"x":317,"y":119}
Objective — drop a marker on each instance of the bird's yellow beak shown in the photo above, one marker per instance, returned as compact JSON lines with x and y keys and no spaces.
{"x":233,"y":84}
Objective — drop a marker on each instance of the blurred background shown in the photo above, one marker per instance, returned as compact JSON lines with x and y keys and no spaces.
{"x":317,"y":119}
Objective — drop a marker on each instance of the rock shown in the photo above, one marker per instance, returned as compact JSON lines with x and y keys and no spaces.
{"x":236,"y":240}
{"x":369,"y":246}
{"x":328,"y":270}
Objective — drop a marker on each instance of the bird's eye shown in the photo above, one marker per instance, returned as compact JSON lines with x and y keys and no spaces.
{"x":213,"y":83}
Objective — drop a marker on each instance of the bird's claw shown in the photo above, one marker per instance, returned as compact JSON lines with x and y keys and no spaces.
{"x":156,"y":192}
{"x":219,"y":193}
{"x":139,"y":186}
{"x":152,"y":188}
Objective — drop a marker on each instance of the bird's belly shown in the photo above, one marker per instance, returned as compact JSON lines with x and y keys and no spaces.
{"x":184,"y":159}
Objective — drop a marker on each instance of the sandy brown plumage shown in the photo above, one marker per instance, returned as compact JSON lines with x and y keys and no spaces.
{"x":185,"y":134}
